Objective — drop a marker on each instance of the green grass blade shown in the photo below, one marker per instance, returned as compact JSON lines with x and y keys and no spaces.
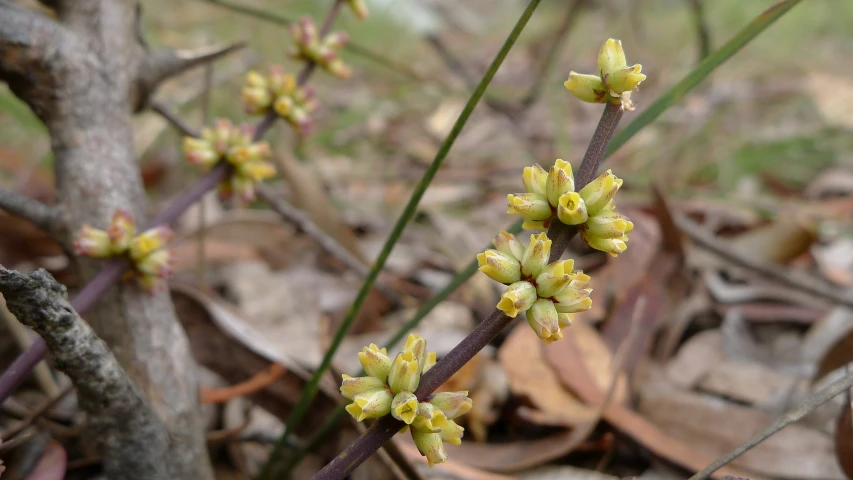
{"x":272,"y":468}
{"x":705,"y":68}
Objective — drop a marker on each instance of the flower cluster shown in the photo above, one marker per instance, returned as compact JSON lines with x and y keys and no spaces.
{"x":389,"y":387}
{"x":548,"y":292}
{"x":615,"y":79}
{"x":279,"y":91}
{"x":151,"y":262}
{"x":359,"y":7}
{"x":552,"y":194}
{"x":234,"y":144}
{"x":322,"y":51}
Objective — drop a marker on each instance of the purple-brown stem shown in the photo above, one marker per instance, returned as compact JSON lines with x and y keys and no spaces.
{"x":113,"y":270}
{"x":560,"y":234}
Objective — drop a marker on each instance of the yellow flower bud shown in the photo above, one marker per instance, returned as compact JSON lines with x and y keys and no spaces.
{"x":148,"y":241}
{"x":536,"y":256}
{"x":611,"y":58}
{"x":375,"y":361}
{"x":586,"y":87}
{"x":579,"y":280}
{"x":353,"y":386}
{"x":430,"y":446}
{"x":200,"y":152}
{"x":255,"y":80}
{"x":626,"y":79}
{"x":599,"y":192}
{"x":121,"y":231}
{"x":553,"y":279}
{"x":572,"y":300}
{"x":543,"y":319}
{"x":452,"y":433}
{"x":534,"y":179}
{"x":157,"y":264}
{"x":535,"y":225}
{"x":416,"y":344}
{"x":370,"y":405}
{"x":507,"y":243}
{"x":560,"y":181}
{"x":404,"y":374}
{"x":571,"y":209}
{"x":93,"y":242}
{"x":564,"y":320}
{"x":613,"y":246}
{"x":429,"y":418}
{"x":607,"y":224}
{"x":452,"y":404}
{"x":532,"y":206}
{"x":429,"y":362}
{"x":404,"y":407}
{"x":499,"y":266}
{"x":517,"y":298}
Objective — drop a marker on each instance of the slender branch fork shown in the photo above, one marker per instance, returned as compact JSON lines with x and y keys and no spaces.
{"x":113,"y":269}
{"x":560,"y":234}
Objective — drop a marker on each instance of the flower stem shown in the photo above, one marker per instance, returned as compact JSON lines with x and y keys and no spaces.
{"x":358,"y":451}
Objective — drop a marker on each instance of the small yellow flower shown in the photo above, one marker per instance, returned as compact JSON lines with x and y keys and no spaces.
{"x":536,"y":256}
{"x":375,"y":362}
{"x":354,"y":386}
{"x":452,"y":433}
{"x":626,"y":79}
{"x":543,"y":319}
{"x":613,"y":246}
{"x":404,"y":407}
{"x":429,"y":362}
{"x":121,"y":231}
{"x":517,"y":298}
{"x":452,"y":404}
{"x":586,"y":87}
{"x":607,"y":224}
{"x":93,"y":242}
{"x":370,"y":405}
{"x":531,"y":206}
{"x":507,"y":243}
{"x":429,"y":418}
{"x":611,"y":58}
{"x":404,"y":374}
{"x":430,"y":445}
{"x":148,"y":241}
{"x":615,"y":79}
{"x":571,"y":209}
{"x":554,"y":277}
{"x":599,"y":192}
{"x":560,"y":181}
{"x":572,"y":300}
{"x":499,"y":266}
{"x":535,"y":179}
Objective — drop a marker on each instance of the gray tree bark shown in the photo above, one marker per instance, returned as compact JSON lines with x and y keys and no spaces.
{"x":81,"y":75}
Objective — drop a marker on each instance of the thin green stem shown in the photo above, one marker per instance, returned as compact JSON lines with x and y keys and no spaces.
{"x":276,"y":460}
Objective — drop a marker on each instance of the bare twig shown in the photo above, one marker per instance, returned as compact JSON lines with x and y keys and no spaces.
{"x":173,"y":118}
{"x":811,"y":285}
{"x":133,"y":440}
{"x":42,"y":216}
{"x":791,"y":416}
{"x":35,"y":414}
{"x":161,"y":65}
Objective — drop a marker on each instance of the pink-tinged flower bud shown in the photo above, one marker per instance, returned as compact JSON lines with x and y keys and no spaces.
{"x":353,"y":386}
{"x":338,"y":68}
{"x":257,"y":100}
{"x":148,"y":241}
{"x":542,"y":318}
{"x":452,"y":404}
{"x":375,"y":361}
{"x":499,"y":266}
{"x":533,"y":206}
{"x":416,"y":344}
{"x":283,"y":106}
{"x":613,"y":246}
{"x":626,"y":79}
{"x":243,"y":188}
{"x":571,"y":209}
{"x":429,"y":362}
{"x":308,"y":30}
{"x":157,"y":264}
{"x":370,"y":405}
{"x":256,"y":80}
{"x":200,"y":152}
{"x":565,"y":320}
{"x":404,"y":374}
{"x":554,"y":278}
{"x":222,"y":134}
{"x":249,"y":153}
{"x":608,"y":224}
{"x":92,"y":242}
{"x":282,"y":84}
{"x":507,"y":243}
{"x":560,"y":181}
{"x":452,"y":433}
{"x":599,"y":192}
{"x":517,"y":298}
{"x":536,"y":256}
{"x":611,"y":58}
{"x":572,"y":300}
{"x":429,"y":418}
{"x":121,"y":231}
{"x":586,"y":87}
{"x":430,"y":446}
{"x":405,"y":407}
{"x":535,"y":179}
{"x":335,"y":40}
{"x":359,"y":7}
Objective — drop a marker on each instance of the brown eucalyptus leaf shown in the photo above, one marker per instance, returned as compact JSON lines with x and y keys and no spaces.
{"x":837,"y":356}
{"x":779,"y":242}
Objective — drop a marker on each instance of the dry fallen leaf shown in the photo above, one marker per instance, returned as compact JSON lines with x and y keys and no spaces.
{"x":844,"y":438}
{"x":52,"y":464}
